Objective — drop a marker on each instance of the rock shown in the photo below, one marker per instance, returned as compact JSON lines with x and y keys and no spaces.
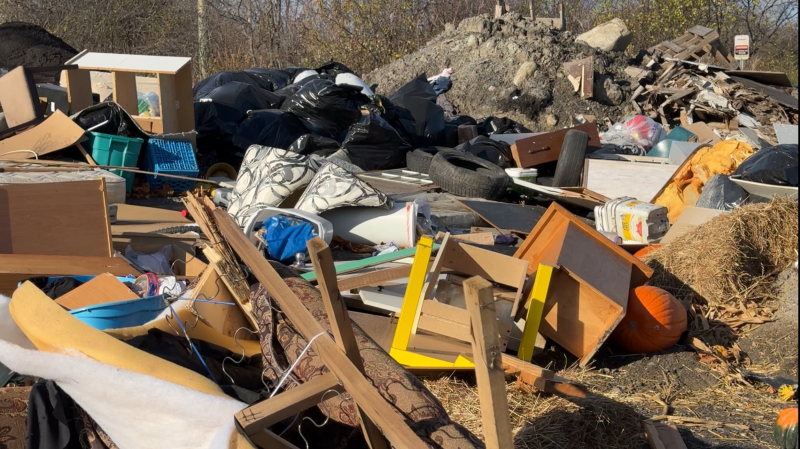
{"x":552,"y":120}
{"x":479,"y":24}
{"x":449,"y":27}
{"x":607,"y":92}
{"x":525,"y":72}
{"x":472,"y":41}
{"x":610,"y":36}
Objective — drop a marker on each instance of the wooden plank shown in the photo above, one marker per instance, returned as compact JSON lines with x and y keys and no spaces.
{"x":489,"y":373}
{"x":374,"y":278}
{"x":341,"y":327}
{"x":546,"y":147}
{"x":268,"y":440}
{"x":700,"y":30}
{"x":480,"y":238}
{"x":615,"y":178}
{"x":693,"y":46}
{"x":223,"y":318}
{"x":495,"y":267}
{"x":513,"y":217}
{"x":431,"y":281}
{"x":79,"y":90}
{"x":533,"y":318}
{"x":103,"y":289}
{"x":57,"y":219}
{"x":85,"y":153}
{"x":123,"y":88}
{"x":776,"y":94}
{"x":168,"y":102}
{"x":454,"y":322}
{"x":287,"y":404}
{"x":184,"y":101}
{"x":672,"y":46}
{"x":416,"y":285}
{"x":361,"y":389}
{"x":17,"y":267}
{"x":369,"y":262}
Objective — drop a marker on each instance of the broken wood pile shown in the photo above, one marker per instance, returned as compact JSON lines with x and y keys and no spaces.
{"x":693,"y":79}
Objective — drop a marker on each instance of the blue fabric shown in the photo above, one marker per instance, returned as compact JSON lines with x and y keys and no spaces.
{"x":287,"y":236}
{"x":442,"y":84}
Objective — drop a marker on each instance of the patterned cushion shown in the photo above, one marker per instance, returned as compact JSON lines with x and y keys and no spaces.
{"x":422,"y":410}
{"x":334,"y":187}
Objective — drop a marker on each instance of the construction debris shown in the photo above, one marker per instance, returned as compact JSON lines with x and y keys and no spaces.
{"x":386,"y":264}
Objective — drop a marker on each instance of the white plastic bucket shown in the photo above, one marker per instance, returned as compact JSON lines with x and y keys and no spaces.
{"x":352,"y":80}
{"x":523,"y":174}
{"x":634,"y":221}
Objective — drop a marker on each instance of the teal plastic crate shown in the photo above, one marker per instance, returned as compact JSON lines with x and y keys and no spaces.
{"x":108,"y":149}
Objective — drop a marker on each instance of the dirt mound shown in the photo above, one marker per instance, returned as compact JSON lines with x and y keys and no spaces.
{"x":31,"y":45}
{"x":512,"y":67}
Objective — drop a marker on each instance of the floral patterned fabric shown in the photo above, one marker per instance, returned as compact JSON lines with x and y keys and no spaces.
{"x":13,"y":417}
{"x":281,"y":345}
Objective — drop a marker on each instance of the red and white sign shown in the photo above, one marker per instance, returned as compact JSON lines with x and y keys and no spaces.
{"x":741,"y":47}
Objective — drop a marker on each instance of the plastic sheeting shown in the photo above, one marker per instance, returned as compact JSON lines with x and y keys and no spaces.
{"x":721,"y":193}
{"x":373,"y":144}
{"x":776,"y":165}
{"x":311,"y":144}
{"x":325,"y":108}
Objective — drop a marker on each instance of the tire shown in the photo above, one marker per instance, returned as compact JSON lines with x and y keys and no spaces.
{"x":468,"y":176}
{"x":570,"y":161}
{"x":420,"y":160}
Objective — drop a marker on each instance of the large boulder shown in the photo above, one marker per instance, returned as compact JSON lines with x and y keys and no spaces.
{"x":610,"y":36}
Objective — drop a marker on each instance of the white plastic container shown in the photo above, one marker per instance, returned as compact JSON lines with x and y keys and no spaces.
{"x":635,"y":221}
{"x":352,"y":80}
{"x":528,"y":175}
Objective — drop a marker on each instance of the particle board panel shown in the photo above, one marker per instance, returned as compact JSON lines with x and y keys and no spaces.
{"x":168,"y":102}
{"x":57,"y":219}
{"x":513,"y":217}
{"x":184,"y":101}
{"x":616,"y":179}
{"x":124,"y":91}
{"x":546,"y":147}
{"x":129,"y":63}
{"x":102,"y":289}
{"x":79,"y":89}
{"x":18,"y":267}
{"x":577,"y":316}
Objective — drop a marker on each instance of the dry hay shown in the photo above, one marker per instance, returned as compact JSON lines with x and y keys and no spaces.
{"x":542,"y":421}
{"x":725,"y":268}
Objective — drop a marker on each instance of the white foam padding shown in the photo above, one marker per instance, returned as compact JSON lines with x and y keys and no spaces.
{"x":135,"y":410}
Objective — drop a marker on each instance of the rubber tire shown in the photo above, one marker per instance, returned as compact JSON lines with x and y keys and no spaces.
{"x":571,"y":159}
{"x":468,"y":176}
{"x":420,"y":159}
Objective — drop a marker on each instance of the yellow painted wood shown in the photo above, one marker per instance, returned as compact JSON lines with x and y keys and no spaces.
{"x":535,"y":309}
{"x":416,"y":283}
{"x":414,"y":360}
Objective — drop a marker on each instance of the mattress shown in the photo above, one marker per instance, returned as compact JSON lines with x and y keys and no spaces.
{"x":115,"y":185}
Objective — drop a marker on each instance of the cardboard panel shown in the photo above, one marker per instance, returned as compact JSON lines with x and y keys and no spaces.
{"x":103,"y":289}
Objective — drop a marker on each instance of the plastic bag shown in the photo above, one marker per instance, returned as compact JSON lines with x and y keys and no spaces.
{"x":502,"y":125}
{"x":721,"y":193}
{"x":427,"y":118}
{"x":333,"y":68}
{"x":776,"y":165}
{"x":156,"y":263}
{"x":373,"y":144}
{"x":205,"y":86}
{"x":270,"y":128}
{"x":496,"y":152}
{"x":271,"y":79}
{"x":287,"y":236}
{"x":112,"y":120}
{"x":311,"y":144}
{"x":148,"y":104}
{"x":639,"y":131}
{"x":325,"y":108}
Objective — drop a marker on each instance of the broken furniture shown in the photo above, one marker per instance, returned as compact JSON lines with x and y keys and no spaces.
{"x":54,"y":133}
{"x":588,"y":292}
{"x":19,"y":99}
{"x":174,"y":75}
{"x":581,"y":74}
{"x":546,"y":147}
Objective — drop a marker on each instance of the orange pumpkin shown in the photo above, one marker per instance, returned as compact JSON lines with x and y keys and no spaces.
{"x":785,"y":429}
{"x":654,"y":321}
{"x":645,"y":251}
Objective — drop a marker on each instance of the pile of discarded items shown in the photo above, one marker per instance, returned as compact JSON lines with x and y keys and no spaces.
{"x":322,"y":259}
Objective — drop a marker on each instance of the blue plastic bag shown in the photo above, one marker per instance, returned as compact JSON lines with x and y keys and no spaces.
{"x":287,"y":236}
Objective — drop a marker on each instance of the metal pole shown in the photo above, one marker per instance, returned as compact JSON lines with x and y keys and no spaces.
{"x":202,"y":37}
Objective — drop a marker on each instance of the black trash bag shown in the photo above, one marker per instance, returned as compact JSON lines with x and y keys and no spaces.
{"x":205,"y":86}
{"x":451,"y":129}
{"x":270,"y":128}
{"x":776,"y":165}
{"x":496,"y":152}
{"x":292,"y":89}
{"x":235,"y":99}
{"x":311,"y":144}
{"x":325,"y":108}
{"x":210,"y":121}
{"x":273,"y":79}
{"x":721,"y":193}
{"x":502,"y":125}
{"x":117,"y":121}
{"x":294,"y":71}
{"x":419,"y":99}
{"x":334,"y":68}
{"x":373,"y":144}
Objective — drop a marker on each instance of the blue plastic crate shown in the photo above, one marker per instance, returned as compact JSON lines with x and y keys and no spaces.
{"x":172,"y":157}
